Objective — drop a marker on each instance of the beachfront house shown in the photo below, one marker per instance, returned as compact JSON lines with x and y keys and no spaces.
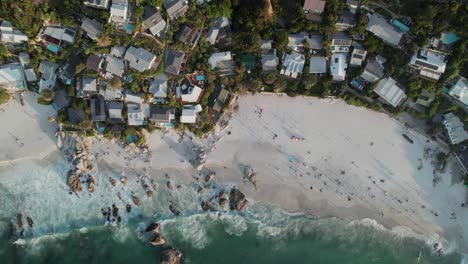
{"x":175,"y":8}
{"x":48,"y":71}
{"x":162,"y":117}
{"x":152,"y":21}
{"x":114,"y":109}
{"x":379,"y":26}
{"x":136,"y":116}
{"x":114,"y":67}
{"x":428,"y":64}
{"x":95,"y":63}
{"x":86,"y":87}
{"x":293,"y":64}
{"x":56,"y":37}
{"x":454,"y":128}
{"x":61,"y":100}
{"x":357,"y":57}
{"x":459,"y":91}
{"x":222,"y":61}
{"x":313,"y":9}
{"x":218,"y":30}
{"x":139,"y":59}
{"x":339,"y":42}
{"x":173,"y":61}
{"x":338,"y":66}
{"x":98,"y":109}
{"x":345,"y":21}
{"x":189,"y":35}
{"x":25,"y":62}
{"x":10,"y":35}
{"x":100,"y":4}
{"x":390,"y":92}
{"x":270,"y":61}
{"x":91,"y":27}
{"x":373,"y":72}
{"x":119,"y":13}
{"x":189,"y":115}
{"x":218,"y":100}
{"x":318,"y":65}
{"x":159,"y":88}
{"x":12,"y":76}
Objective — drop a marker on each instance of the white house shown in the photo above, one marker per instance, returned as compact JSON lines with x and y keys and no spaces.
{"x":338,"y":66}
{"x":136,"y":116}
{"x":459,"y":90}
{"x":219,"y":57}
{"x":119,"y":12}
{"x":293,"y":64}
{"x":10,"y":35}
{"x":454,"y":128}
{"x":357,"y":57}
{"x":389,"y":90}
{"x":139,"y":58}
{"x":188,"y":93}
{"x":48,"y":72}
{"x":12,"y":76}
{"x":189,"y":115}
{"x":429,"y":64}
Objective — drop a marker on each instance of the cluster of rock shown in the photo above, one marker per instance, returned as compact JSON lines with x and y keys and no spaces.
{"x":250,"y":175}
{"x":111,"y":214}
{"x":169,"y":255}
{"x":82,"y":163}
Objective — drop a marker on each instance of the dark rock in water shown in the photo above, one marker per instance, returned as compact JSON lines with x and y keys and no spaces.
{"x":129,"y":208}
{"x":115,"y":211}
{"x":153,"y":227}
{"x":136,"y":201}
{"x":169,"y":185}
{"x":170,"y":256}
{"x":222,"y":194}
{"x":19,"y":220}
{"x":119,"y":219}
{"x":223,"y":201}
{"x":30,"y":221}
{"x":149,"y":193}
{"x":157,"y":239}
{"x":74,"y":182}
{"x":237,"y":200}
{"x":174,"y":210}
{"x":112,"y":181}
{"x":207,"y":205}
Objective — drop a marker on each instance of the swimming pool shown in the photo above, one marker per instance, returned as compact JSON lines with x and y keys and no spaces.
{"x":449,"y":38}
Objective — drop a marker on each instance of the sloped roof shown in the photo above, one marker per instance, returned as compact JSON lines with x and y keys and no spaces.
{"x":94,"y":62}
{"x":152,"y":20}
{"x":314,"y":5}
{"x":92,"y":28}
{"x":379,"y":26}
{"x":318,"y":65}
{"x":115,"y":66}
{"x":159,"y":86}
{"x":173,"y":61}
{"x":160,"y":114}
{"x":139,"y":58}
{"x":389,"y":91}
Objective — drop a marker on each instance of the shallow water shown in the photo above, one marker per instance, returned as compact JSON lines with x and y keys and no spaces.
{"x":69,"y":229}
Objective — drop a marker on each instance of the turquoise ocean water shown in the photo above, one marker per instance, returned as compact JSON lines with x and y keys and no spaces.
{"x":69,"y":229}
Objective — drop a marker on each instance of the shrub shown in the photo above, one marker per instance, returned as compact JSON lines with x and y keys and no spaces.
{"x":4,"y":96}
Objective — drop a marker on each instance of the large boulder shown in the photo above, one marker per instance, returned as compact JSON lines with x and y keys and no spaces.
{"x":157,"y":239}
{"x":170,"y":256}
{"x":74,"y":182}
{"x":136,"y":201}
{"x":153,"y":227}
{"x":91,"y":183}
{"x":237,"y":200}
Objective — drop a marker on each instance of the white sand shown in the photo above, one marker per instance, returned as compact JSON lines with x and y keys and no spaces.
{"x":26,"y":132}
{"x":344,"y":150}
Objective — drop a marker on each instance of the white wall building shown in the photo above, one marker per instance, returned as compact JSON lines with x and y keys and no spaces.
{"x":390,"y":92}
{"x":429,"y":64}
{"x":455,"y":129}
{"x":459,"y":90}
{"x":338,"y":66}
{"x":293,"y":64}
{"x":10,"y":35}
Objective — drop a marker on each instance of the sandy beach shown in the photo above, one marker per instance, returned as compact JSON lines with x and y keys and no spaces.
{"x":347,"y":162}
{"x":26,"y":132}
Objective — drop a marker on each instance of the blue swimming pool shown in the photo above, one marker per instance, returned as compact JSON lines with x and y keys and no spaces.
{"x":449,"y":38}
